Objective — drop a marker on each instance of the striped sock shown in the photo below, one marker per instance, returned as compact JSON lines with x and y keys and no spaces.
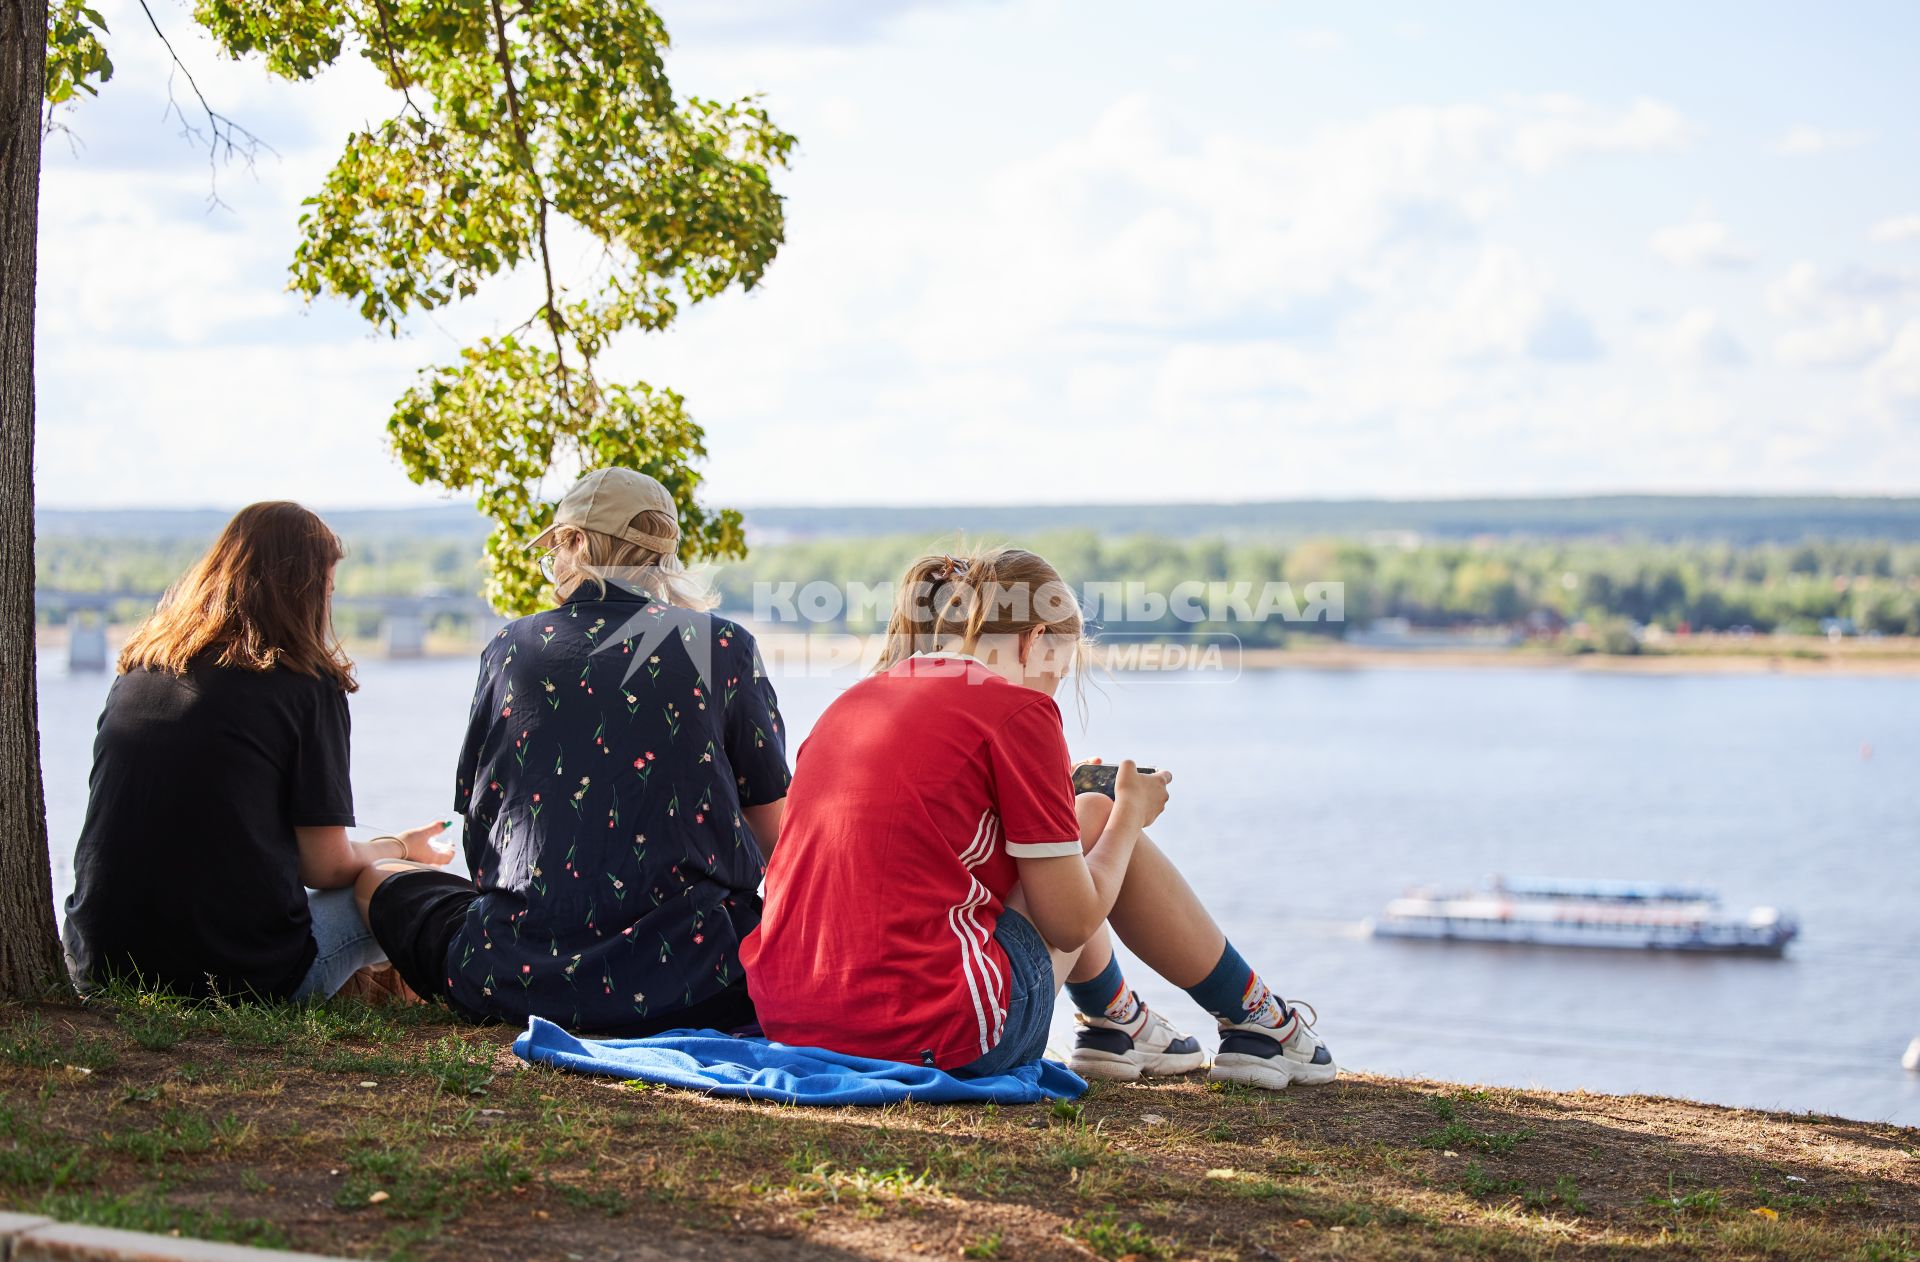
{"x":1107,"y":995}
{"x":1234,"y":993}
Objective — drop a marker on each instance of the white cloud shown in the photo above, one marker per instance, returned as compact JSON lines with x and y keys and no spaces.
{"x":1855,"y":317}
{"x":1894,"y":381}
{"x":1897,"y":228}
{"x":1699,"y":338}
{"x":1560,"y":127}
{"x":1809,"y":289}
{"x":1804,"y":140}
{"x":210,"y":424}
{"x":1225,"y":374}
{"x":1507,"y":308}
{"x":1845,"y":339}
{"x":1320,"y":40}
{"x":1341,"y":293}
{"x":1840,"y":316}
{"x":1703,"y":243}
{"x":1135,"y":223}
{"x":794,"y":21}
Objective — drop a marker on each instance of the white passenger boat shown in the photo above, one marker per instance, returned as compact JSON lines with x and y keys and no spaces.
{"x":1619,"y":914}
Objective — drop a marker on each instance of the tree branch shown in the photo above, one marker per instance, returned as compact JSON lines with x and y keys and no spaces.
{"x":225,"y":138}
{"x":555,"y":325}
{"x":400,"y":79}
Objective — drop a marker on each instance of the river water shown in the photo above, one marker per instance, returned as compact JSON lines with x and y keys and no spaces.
{"x":1303,"y":800}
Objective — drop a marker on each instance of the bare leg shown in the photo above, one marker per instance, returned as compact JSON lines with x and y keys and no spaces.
{"x":1092,"y":810}
{"x":1162,"y":920}
{"x":1157,"y":915}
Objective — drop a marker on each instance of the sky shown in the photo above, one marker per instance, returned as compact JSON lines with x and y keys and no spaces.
{"x":1052,"y":251}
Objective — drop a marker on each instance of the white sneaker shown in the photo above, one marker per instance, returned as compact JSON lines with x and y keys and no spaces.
{"x":1146,"y":1045}
{"x":1273,"y":1056}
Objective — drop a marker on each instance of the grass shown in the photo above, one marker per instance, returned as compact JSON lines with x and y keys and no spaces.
{"x":177,"y":1133}
{"x":259,"y":1125}
{"x":34,"y":1158}
{"x":1109,"y":1238}
{"x":147,"y":1211}
{"x":1461,"y":1136}
{"x":1700,"y":1201}
{"x":1477,"y":1183}
{"x":400,"y":1181}
{"x":861,"y":1185}
{"x":1563,"y":1195}
{"x":455,"y":1064}
{"x":1074,"y":1146}
{"x":1891,"y":1247}
{"x":35,"y":1045}
{"x":153,"y":1026}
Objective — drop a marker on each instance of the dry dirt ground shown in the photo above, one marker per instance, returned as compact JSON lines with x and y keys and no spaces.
{"x":363,"y":1132}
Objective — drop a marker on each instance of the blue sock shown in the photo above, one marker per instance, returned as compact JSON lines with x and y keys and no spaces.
{"x":1234,"y":993}
{"x":1107,"y":995}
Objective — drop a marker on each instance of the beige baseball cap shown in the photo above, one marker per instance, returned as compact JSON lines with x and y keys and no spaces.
{"x":606,"y":500}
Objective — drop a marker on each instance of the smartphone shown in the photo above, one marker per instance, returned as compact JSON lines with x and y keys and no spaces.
{"x":1098,"y":777}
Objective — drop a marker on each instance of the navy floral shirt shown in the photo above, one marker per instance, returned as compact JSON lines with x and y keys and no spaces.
{"x":612,"y":744}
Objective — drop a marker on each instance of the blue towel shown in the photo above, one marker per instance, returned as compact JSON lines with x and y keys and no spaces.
{"x":756,"y":1069}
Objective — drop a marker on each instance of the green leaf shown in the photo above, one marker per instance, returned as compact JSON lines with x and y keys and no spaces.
{"x":569,"y":132}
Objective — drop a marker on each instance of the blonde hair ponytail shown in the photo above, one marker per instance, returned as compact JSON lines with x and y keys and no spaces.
{"x":949,"y":603}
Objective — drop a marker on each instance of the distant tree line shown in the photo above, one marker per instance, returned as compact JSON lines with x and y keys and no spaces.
{"x":1595,"y":586}
{"x":387,"y":565}
{"x":1737,"y":519}
{"x":1598,"y":588}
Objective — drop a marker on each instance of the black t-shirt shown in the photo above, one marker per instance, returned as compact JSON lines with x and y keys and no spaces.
{"x":187,"y":874}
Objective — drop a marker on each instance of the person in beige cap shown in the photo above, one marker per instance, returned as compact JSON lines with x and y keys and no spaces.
{"x":622,"y":781}
{"x":618,"y":523}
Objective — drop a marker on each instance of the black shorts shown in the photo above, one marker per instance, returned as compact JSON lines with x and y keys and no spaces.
{"x":415,"y":915}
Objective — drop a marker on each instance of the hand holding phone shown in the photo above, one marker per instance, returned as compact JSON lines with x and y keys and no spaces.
{"x":1139,"y":794}
{"x":1097,"y":777}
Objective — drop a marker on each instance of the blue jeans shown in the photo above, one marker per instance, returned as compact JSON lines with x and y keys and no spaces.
{"x":346,"y":944}
{"x":1029,"y":1005}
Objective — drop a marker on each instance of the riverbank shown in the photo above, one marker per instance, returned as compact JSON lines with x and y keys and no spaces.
{"x":395,"y":1133}
{"x":1717,"y":655}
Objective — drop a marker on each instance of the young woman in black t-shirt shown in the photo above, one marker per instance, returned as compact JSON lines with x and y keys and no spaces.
{"x":220,"y":788}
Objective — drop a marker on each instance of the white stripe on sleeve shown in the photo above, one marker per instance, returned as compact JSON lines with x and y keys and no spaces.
{"x":1043,"y":849}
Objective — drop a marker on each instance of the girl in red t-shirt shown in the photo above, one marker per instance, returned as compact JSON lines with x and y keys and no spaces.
{"x":936,"y":880}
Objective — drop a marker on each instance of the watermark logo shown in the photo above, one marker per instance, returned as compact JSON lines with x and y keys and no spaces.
{"x":823,"y":603}
{"x":1202,"y":627}
{"x":1146,"y":656}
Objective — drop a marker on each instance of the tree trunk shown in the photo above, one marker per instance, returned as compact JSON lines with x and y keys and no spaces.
{"x":29,"y":945}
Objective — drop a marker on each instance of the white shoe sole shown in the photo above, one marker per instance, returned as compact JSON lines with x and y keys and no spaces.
{"x":1089,"y":1063}
{"x":1271,"y":1073}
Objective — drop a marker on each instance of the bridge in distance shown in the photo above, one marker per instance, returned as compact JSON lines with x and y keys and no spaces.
{"x":402,"y":620}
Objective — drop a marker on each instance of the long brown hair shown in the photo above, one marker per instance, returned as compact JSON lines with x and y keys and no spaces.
{"x":950,"y":602}
{"x":258,"y":598}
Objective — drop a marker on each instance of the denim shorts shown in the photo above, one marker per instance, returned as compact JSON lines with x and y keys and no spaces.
{"x":1029,"y":1006}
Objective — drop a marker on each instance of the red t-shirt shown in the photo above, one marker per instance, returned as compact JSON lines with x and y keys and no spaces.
{"x":911,"y":799}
